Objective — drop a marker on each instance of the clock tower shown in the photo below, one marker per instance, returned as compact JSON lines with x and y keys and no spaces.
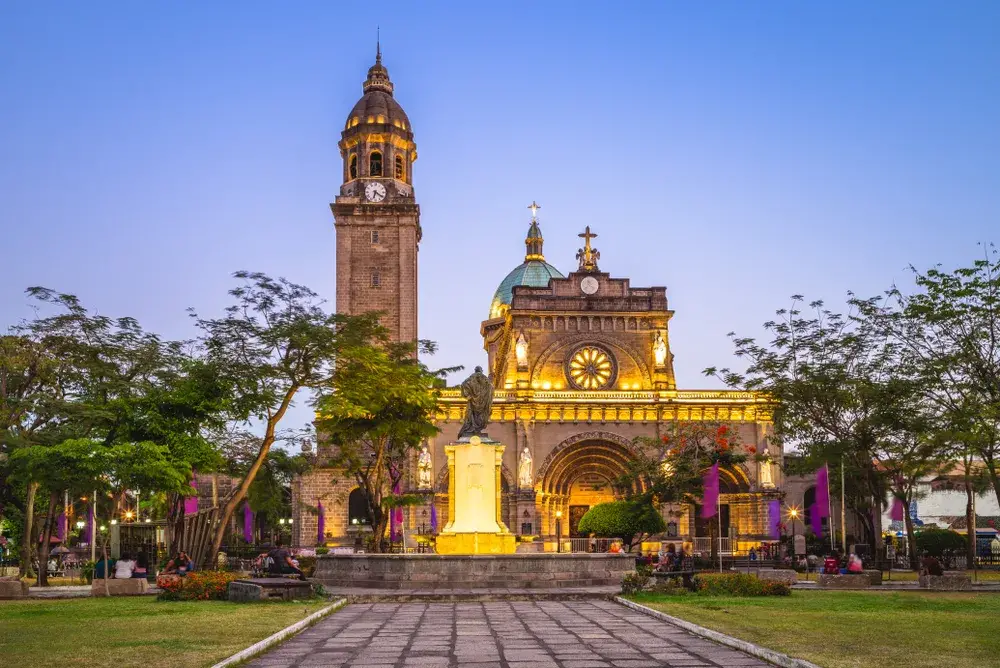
{"x":376,"y":217}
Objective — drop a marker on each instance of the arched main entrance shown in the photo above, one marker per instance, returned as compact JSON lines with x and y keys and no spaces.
{"x":579,"y":475}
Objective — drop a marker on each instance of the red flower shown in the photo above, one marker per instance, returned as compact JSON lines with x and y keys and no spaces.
{"x":665,"y":439}
{"x":722,"y":430}
{"x":752,"y":449}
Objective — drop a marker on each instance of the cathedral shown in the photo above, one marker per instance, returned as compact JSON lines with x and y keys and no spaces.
{"x":581,"y":365}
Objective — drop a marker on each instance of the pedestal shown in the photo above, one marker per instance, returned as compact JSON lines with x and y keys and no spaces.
{"x":474,"y":522}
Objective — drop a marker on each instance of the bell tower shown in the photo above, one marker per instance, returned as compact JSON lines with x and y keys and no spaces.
{"x":376,"y":217}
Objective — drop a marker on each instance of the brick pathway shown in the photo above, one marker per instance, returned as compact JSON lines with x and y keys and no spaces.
{"x":528,"y":634}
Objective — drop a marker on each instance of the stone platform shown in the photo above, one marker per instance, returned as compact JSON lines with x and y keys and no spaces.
{"x":506,"y":571}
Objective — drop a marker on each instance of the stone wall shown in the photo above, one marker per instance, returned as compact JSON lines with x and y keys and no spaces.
{"x":414,"y":571}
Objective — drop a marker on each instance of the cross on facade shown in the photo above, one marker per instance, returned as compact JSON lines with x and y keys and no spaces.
{"x":588,"y":256}
{"x":534,"y":209}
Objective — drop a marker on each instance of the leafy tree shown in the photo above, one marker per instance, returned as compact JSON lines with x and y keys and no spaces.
{"x":841,"y":393}
{"x":631,"y":520}
{"x":273,"y":342}
{"x":938,"y":541}
{"x":377,"y":413}
{"x":950,"y":326}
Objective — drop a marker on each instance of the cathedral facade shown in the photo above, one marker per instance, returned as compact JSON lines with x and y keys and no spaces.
{"x":581,"y":365}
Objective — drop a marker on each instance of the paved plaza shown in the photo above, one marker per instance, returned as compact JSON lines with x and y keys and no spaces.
{"x":527,"y":634}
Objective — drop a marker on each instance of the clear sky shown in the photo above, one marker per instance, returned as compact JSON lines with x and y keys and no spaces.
{"x":736,"y":152}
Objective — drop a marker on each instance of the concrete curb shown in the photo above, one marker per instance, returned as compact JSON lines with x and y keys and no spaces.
{"x":280,"y":636}
{"x":777,"y":658}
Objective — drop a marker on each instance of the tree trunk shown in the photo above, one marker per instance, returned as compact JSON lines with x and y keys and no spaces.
{"x":29,"y":520}
{"x":970,"y":522}
{"x":241,"y":491}
{"x":43,"y":547}
{"x":911,"y":538}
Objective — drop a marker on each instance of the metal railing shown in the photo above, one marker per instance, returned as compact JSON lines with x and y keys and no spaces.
{"x":596,"y":545}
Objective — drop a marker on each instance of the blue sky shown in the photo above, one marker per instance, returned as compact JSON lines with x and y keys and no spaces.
{"x":735,"y":152}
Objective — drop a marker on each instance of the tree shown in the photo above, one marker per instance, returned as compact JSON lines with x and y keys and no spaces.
{"x":951,"y":326}
{"x":631,"y":520}
{"x":937,"y":542}
{"x":838,"y":395}
{"x":273,"y":342}
{"x":123,"y":386}
{"x":31,"y":403}
{"x":379,"y":410}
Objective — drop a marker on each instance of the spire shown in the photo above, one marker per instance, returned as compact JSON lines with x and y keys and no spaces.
{"x":378,"y":76}
{"x":534,"y":240}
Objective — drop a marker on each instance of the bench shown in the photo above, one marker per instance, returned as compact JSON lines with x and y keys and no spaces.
{"x":268,"y":589}
{"x":848,"y":581}
{"x":120,"y":587}
{"x":686,"y":576}
{"x":950,"y":581}
{"x":13,"y":588}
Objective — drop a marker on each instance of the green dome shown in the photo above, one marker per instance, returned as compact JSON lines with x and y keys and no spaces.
{"x":535,"y":273}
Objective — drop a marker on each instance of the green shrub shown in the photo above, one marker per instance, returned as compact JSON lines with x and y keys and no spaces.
{"x":320,"y":551}
{"x":939,"y":541}
{"x":738,"y":584}
{"x":629,"y":520}
{"x":632,"y":583}
{"x":196,"y":586}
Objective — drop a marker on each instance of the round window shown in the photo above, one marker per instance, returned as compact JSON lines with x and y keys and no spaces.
{"x":591,"y":368}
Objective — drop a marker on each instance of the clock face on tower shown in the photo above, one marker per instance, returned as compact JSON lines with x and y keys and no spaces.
{"x":375,"y":192}
{"x":589,"y":285}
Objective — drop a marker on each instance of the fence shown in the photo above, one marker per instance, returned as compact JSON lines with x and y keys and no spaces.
{"x":596,"y":545}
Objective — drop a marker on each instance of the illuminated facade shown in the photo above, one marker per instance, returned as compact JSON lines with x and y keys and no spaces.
{"x":581,"y":364}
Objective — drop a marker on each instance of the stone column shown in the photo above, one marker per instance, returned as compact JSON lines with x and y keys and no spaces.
{"x":449,"y":451}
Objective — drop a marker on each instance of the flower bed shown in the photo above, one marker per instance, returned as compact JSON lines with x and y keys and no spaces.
{"x":196,"y":586}
{"x":738,"y":584}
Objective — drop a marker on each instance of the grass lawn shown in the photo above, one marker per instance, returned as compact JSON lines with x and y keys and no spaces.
{"x":136,"y":631}
{"x":911,"y":576}
{"x":839,"y":629}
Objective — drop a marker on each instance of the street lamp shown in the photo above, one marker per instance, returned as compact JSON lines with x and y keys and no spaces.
{"x":80,"y":524}
{"x":793,"y":514}
{"x":558,"y":531}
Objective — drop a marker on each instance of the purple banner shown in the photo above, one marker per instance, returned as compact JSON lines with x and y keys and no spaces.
{"x":247,"y":523}
{"x":710,"y":499}
{"x":61,"y":526}
{"x":898,"y":510}
{"x":88,"y":535}
{"x":823,"y":491}
{"x":434,"y":517}
{"x":816,"y":519}
{"x":191,"y":502}
{"x":320,"y":524}
{"x":774,"y":518}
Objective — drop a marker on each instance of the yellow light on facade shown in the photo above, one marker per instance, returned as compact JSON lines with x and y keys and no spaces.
{"x":546,"y":385}
{"x":558,"y":514}
{"x":534,"y":385}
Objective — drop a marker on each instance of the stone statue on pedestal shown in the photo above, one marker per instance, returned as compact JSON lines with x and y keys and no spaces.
{"x":524,"y":477}
{"x":478,"y":390}
{"x":424,"y":469}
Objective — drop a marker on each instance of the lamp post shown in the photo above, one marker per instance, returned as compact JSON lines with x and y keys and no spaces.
{"x":793,"y":514}
{"x":558,"y":531}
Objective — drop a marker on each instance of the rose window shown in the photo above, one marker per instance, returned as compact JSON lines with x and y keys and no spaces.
{"x":591,"y":368}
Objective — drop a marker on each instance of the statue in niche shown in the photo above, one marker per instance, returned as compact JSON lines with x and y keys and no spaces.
{"x":478,"y":391}
{"x":424,"y":469}
{"x":659,"y":350}
{"x":524,"y":477}
{"x":766,"y":476}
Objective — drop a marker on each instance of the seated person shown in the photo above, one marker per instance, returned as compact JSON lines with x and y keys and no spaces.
{"x":831,"y":565}
{"x":930,"y":565}
{"x":854,"y":564}
{"x":281,"y":561}
{"x":124,"y":568}
{"x":103,"y":567}
{"x":615,"y":548}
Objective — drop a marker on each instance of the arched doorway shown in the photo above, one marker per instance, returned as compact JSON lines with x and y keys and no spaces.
{"x":576,"y":477}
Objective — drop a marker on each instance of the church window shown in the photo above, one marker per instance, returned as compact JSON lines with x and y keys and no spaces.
{"x":355,"y":121}
{"x":371,"y":119}
{"x":375,"y":164}
{"x":591,"y":368}
{"x":376,"y":279}
{"x":380,"y":119}
{"x":353,"y":168}
{"x":399,"y":167}
{"x":374,"y":236}
{"x":357,"y":509}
